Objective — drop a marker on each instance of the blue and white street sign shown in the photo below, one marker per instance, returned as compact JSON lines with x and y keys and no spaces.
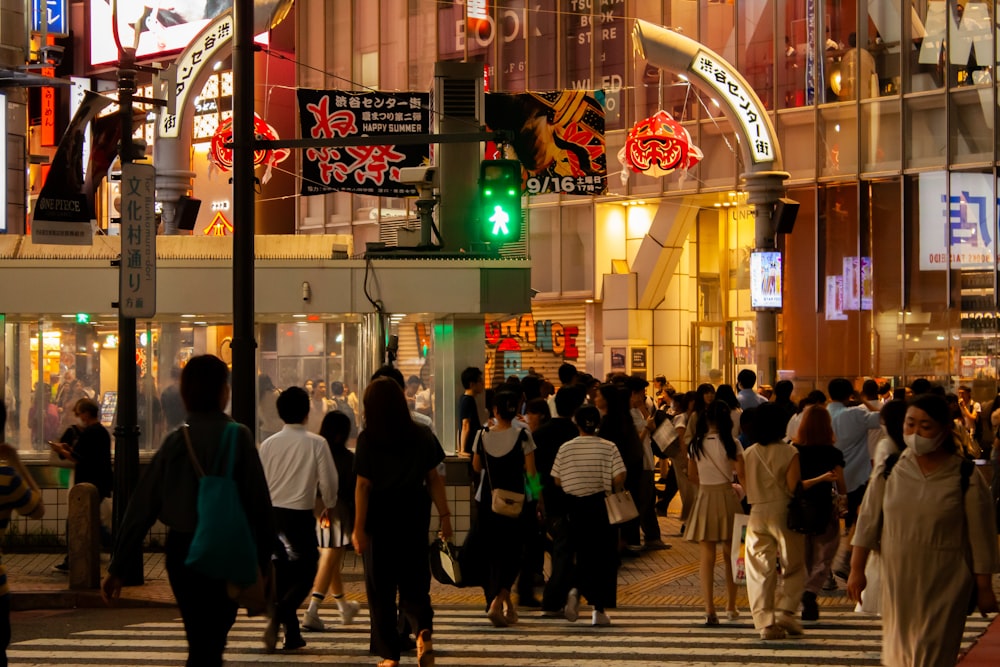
{"x":57,"y":20}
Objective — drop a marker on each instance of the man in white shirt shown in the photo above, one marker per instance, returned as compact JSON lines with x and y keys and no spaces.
{"x":296,"y":464}
{"x":747,"y":397}
{"x":970,"y":409}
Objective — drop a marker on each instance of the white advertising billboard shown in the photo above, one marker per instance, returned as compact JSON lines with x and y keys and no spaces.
{"x":168,"y":29}
{"x":961,"y":224}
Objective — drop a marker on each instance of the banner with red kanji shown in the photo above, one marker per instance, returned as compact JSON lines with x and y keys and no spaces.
{"x":367,"y":170}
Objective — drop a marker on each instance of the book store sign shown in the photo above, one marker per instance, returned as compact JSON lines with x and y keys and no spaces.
{"x":137,"y":295}
{"x":726,"y":82}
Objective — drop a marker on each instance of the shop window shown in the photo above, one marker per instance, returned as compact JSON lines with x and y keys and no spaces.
{"x":839,"y":140}
{"x":797,"y":137}
{"x":880,"y":127}
{"x":885,"y":44}
{"x":971,"y":126}
{"x":755,"y":51}
{"x":543,"y":226}
{"x":576,"y":241}
{"x":925,"y":137}
{"x":793,"y":46}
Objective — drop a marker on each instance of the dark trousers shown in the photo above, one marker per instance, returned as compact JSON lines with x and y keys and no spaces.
{"x":630,"y":529}
{"x":4,"y":627}
{"x":205,"y":607}
{"x":294,"y":565}
{"x":595,"y":547}
{"x":532,"y":551}
{"x":503,"y":537}
{"x":646,"y":503}
{"x":562,"y":576}
{"x":669,"y":490}
{"x":396,"y":560}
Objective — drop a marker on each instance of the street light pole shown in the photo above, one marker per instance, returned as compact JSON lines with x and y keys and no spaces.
{"x":126,"y":429}
{"x":244,"y":345}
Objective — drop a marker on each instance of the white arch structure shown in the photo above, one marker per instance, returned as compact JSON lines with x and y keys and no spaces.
{"x":764,"y":177}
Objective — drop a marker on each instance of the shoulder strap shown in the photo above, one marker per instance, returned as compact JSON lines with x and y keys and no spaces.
{"x":967,"y":467}
{"x":190,"y":449}
{"x":890,"y":463}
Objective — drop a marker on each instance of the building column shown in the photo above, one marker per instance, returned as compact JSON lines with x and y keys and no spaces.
{"x":458,"y":342}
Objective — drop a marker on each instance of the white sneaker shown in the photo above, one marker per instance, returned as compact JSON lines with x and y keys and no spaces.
{"x":572,"y":609}
{"x":349,"y":611}
{"x":600,"y":618}
{"x":312,"y":621}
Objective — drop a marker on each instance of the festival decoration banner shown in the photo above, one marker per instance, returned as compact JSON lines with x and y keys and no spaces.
{"x":366,"y":170}
{"x":222,"y":156}
{"x":558,"y":137}
{"x":659,"y":145}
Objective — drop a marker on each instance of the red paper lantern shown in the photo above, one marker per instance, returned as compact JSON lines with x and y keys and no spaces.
{"x":223,"y":157}
{"x":658,"y":146}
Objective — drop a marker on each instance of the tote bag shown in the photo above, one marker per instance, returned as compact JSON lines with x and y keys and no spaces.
{"x":223,"y":546}
{"x":738,"y":549}
{"x":620,"y":506}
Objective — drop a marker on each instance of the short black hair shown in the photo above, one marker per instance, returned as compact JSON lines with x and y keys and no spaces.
{"x":394,"y":374}
{"x":85,"y":405}
{"x":768,"y":426}
{"x":783,"y":389}
{"x":470,"y":376}
{"x":587,"y":418}
{"x":747,"y":378}
{"x":636,"y":384}
{"x":840,"y":389}
{"x":870,"y":389}
{"x":203,"y":382}
{"x":506,"y":404}
{"x":336,"y":388}
{"x":293,"y":405}
{"x":567,"y":372}
{"x":920,"y":386}
{"x":569,"y":398}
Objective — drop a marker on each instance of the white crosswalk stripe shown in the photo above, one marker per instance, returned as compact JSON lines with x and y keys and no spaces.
{"x":463,"y":636}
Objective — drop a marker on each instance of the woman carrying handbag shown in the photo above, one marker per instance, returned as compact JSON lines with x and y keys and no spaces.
{"x":587,"y":468}
{"x":503,"y":454}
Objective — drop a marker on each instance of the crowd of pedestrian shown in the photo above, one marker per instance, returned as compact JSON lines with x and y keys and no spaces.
{"x":894,"y":475}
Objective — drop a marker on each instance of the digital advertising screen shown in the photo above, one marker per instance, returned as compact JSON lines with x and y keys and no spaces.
{"x":765,"y":280}
{"x":164,"y":27}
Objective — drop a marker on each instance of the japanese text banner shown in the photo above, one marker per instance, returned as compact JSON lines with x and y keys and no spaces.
{"x":368,"y":170}
{"x":558,"y":137}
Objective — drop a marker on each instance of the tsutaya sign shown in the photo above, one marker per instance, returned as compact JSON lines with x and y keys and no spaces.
{"x":716,"y":73}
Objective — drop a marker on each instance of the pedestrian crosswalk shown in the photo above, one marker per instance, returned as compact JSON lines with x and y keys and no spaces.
{"x":463,"y":636}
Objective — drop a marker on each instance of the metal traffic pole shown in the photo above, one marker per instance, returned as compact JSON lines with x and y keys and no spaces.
{"x":244,"y":345}
{"x":126,"y":429}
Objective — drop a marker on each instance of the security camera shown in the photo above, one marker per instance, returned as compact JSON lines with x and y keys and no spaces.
{"x":424,"y":176}
{"x":51,"y":54}
{"x":306,"y":292}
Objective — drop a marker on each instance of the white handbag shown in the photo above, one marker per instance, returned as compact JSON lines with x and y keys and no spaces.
{"x":620,"y":506}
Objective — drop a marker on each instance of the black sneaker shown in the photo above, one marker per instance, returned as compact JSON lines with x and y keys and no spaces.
{"x":62,"y":567}
{"x":810,"y":610}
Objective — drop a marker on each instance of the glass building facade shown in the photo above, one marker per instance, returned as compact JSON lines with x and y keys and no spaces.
{"x":886,"y":112}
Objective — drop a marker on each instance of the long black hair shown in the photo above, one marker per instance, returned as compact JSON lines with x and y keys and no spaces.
{"x":718,"y":413}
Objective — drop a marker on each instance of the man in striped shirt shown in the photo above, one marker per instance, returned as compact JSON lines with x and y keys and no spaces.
{"x":18,"y":491}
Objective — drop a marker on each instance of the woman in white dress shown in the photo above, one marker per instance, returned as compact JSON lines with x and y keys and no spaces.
{"x":714,"y":457}
{"x":933,"y":518}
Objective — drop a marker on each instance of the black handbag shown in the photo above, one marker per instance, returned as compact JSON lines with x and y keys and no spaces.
{"x":805,"y":515}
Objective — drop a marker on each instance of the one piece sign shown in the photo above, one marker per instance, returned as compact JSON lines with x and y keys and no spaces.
{"x":368,"y":169}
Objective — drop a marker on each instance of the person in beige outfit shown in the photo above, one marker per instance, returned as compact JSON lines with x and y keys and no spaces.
{"x":772,"y":473}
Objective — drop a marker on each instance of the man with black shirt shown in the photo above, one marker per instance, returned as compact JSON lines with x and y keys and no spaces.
{"x":549,"y":437}
{"x":468,"y":409}
{"x":90,"y":454}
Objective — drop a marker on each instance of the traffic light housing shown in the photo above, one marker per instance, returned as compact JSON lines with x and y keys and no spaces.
{"x":500,"y":201}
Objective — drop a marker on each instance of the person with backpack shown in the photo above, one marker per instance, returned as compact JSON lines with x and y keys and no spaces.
{"x":931,"y":514}
{"x":168,"y":491}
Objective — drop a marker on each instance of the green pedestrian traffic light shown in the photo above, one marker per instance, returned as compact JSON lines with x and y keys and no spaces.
{"x":500,"y":200}
{"x":83,"y":318}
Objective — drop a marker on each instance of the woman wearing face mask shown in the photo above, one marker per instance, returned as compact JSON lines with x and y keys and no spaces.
{"x":932,"y":514}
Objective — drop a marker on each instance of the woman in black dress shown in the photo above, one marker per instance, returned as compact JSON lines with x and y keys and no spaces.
{"x":397,"y":478}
